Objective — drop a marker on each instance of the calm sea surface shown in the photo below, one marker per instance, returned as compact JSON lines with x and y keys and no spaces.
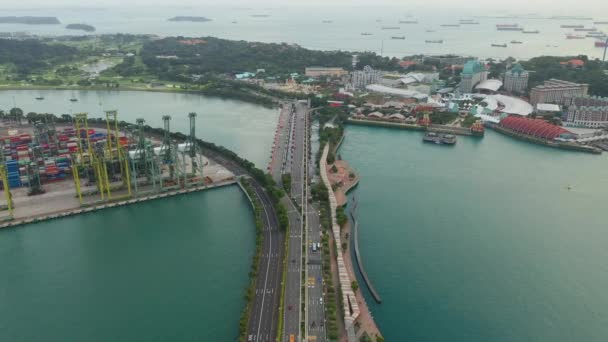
{"x":243,"y":127}
{"x":303,"y":26}
{"x":482,"y":241}
{"x":168,"y":270}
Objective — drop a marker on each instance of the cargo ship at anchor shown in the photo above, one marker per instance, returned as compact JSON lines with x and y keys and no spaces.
{"x":508,"y":27}
{"x":574,"y":36}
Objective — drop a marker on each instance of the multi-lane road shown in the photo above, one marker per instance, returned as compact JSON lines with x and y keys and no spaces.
{"x":264,"y":316}
{"x":290,"y":155}
{"x":293,"y":289}
{"x":302,"y":216}
{"x":315,"y":309}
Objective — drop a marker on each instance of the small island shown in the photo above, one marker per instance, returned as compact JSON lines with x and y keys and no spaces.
{"x":30,"y":20}
{"x":83,"y":27}
{"x":192,"y":19}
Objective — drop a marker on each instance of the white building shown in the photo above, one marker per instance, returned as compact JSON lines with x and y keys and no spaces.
{"x":362,"y":78}
{"x":516,"y":79}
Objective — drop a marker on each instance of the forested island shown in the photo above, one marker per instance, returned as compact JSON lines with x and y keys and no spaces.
{"x":208,"y":65}
{"x":192,"y":19}
{"x":30,"y":20}
{"x":82,"y":27}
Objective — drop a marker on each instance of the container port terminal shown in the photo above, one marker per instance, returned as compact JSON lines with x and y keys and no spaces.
{"x":50,"y":169}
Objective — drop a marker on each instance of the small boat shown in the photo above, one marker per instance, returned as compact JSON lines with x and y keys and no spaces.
{"x":366,"y":34}
{"x":572,"y":26}
{"x":408,"y":21}
{"x":531,"y":31}
{"x":600,"y":22}
{"x":234,"y":22}
{"x":468,"y":22}
{"x":499,"y":45}
{"x":40,"y":98}
{"x":588,"y":29}
{"x":430,"y":31}
{"x":574,"y":36}
{"x":437,"y":41}
{"x":398,"y":37}
{"x":601,"y":44}
{"x":390,"y":27}
{"x":327,"y":21}
{"x":516,"y":42}
{"x":450,"y":25}
{"x":73,"y":99}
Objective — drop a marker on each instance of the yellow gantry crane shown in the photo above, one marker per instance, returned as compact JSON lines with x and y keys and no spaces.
{"x":87,"y":158}
{"x":115,"y":153}
{"x":7,"y":192}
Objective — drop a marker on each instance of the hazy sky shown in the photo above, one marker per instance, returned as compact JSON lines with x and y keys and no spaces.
{"x":547,"y":6}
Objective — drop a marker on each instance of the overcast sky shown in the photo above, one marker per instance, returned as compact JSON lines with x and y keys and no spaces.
{"x":548,"y":6}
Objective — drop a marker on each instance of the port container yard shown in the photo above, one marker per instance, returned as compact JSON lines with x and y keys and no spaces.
{"x":49,"y":169}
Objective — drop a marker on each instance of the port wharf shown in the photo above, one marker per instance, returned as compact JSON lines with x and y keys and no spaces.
{"x":107,"y":205}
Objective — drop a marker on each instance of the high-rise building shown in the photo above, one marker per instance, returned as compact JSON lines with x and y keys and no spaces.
{"x":557,"y":91}
{"x":591,"y":112}
{"x":516,"y":79}
{"x":365,"y":77}
{"x":473,"y":72}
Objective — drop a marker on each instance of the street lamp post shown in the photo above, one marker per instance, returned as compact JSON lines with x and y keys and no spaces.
{"x":605,"y":47}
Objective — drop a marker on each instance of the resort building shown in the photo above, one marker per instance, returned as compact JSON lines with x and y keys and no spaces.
{"x":324,"y":71}
{"x":557,"y":91}
{"x":473,"y":72}
{"x":589,"y":112}
{"x":362,"y":78}
{"x":516,"y":79}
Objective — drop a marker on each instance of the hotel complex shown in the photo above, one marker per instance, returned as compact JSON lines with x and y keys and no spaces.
{"x":516,"y":79}
{"x":557,"y":91}
{"x":590,"y":112}
{"x":365,"y":77}
{"x":472,"y":73}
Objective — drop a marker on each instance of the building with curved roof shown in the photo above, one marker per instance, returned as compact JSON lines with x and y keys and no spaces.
{"x":396,"y":91}
{"x":489,"y":85}
{"x":534,"y":127}
{"x":512,"y":105}
{"x":396,"y":117}
{"x":375,"y":115}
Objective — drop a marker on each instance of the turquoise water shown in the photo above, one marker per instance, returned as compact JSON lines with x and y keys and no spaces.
{"x":482,"y":241}
{"x":301,"y":23}
{"x":243,"y":127}
{"x":169,"y":270}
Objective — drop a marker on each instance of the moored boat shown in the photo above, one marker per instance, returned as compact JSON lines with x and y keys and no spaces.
{"x":439,"y":139}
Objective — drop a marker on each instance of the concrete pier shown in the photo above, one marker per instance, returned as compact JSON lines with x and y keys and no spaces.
{"x":101,"y":206}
